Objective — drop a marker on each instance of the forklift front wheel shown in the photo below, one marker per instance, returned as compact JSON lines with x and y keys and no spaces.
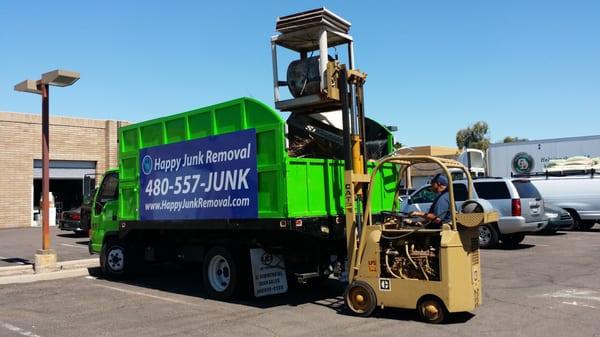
{"x":431,"y":310}
{"x":360,"y":298}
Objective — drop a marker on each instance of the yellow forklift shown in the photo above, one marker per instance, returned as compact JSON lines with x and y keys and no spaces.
{"x":398,"y":265}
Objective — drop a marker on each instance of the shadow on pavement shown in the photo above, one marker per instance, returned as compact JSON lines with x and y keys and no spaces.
{"x":16,"y":260}
{"x":548,"y":234}
{"x":72,"y":235}
{"x":327,"y":293}
{"x":520,"y":246}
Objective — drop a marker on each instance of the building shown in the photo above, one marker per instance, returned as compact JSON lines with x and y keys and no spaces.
{"x":78,"y":147}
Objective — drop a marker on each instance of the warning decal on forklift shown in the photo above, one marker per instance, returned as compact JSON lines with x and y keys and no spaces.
{"x":208,"y":178}
{"x":384,"y":284}
{"x":372,"y":265}
{"x":268,"y":273}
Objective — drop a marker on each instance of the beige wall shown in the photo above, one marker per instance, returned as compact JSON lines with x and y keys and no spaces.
{"x":20,"y":144}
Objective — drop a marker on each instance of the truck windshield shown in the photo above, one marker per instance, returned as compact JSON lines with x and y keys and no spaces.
{"x":526,"y":189}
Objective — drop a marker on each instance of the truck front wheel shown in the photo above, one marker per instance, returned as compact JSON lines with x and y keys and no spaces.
{"x":113,"y":259}
{"x":221,"y":273}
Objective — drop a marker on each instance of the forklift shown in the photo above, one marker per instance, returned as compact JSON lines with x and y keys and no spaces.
{"x":389,"y":263}
{"x":399,"y":265}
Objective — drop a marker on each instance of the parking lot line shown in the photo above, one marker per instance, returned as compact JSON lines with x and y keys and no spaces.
{"x":18,"y":330}
{"x":172,"y":300}
{"x":76,"y":246}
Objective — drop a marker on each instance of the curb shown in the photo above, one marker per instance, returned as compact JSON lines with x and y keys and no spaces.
{"x":16,"y":270}
{"x":55,"y":275}
{"x":64,"y":269}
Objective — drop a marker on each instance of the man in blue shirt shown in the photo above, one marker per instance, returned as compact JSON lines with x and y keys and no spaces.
{"x":439,"y":212}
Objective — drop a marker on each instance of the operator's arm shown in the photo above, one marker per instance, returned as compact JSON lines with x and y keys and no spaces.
{"x":427,"y":216}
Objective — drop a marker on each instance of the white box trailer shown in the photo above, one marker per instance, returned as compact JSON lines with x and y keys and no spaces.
{"x":507,"y":159}
{"x":575,"y":188}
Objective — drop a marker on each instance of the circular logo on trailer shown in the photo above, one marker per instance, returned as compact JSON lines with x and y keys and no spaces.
{"x":522,"y":163}
{"x":147,"y":165}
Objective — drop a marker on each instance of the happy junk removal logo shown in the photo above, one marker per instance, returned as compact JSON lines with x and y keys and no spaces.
{"x":522,"y":163}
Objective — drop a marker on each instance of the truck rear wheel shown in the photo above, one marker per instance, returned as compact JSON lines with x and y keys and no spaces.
{"x":586,"y":225}
{"x":221,"y":274}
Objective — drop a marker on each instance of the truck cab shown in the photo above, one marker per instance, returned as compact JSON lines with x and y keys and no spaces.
{"x":104,"y":213}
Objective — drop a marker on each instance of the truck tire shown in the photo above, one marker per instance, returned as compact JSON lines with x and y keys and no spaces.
{"x":512,"y":240}
{"x":221,"y":274}
{"x":586,"y":225}
{"x":488,"y":236}
{"x":113,"y":259}
{"x":576,"y":220}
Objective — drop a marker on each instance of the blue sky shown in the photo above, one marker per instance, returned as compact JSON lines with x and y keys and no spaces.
{"x":529,"y":68}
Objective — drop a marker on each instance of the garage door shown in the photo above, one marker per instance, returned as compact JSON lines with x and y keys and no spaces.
{"x":65,"y":169}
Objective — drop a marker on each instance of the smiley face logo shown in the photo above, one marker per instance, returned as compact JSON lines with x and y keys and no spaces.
{"x":147,"y":165}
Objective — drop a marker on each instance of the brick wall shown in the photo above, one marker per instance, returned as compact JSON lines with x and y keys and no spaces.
{"x":20,"y":144}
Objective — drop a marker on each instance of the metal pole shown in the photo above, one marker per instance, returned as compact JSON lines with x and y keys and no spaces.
{"x":45,"y":168}
{"x":275,"y":73}
{"x":323,"y":58}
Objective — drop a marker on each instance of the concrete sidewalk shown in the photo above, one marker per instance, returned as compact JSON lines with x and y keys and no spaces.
{"x":65,"y":269}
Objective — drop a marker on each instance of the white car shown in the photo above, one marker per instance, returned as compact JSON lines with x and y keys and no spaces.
{"x":519,"y":203}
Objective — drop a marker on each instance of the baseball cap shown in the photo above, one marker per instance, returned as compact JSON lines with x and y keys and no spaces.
{"x":440,"y":179}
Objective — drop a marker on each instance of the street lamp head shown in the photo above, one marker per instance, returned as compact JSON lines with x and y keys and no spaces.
{"x":28,"y":86}
{"x":60,"y":78}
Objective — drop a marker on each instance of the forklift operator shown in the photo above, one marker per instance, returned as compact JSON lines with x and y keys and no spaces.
{"x":439,"y":212}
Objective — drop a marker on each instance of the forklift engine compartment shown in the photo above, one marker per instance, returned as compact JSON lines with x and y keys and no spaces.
{"x":411,"y":256}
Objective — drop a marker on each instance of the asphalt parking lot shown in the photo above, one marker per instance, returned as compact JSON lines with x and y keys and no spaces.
{"x":548,"y":286}
{"x":18,"y":245}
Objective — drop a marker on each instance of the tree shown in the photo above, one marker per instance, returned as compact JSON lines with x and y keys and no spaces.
{"x":474,"y":136}
{"x":509,"y":139}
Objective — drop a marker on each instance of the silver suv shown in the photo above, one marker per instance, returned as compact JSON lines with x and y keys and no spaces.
{"x":519,"y":203}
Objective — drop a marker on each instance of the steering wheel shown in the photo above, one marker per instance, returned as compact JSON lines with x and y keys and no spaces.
{"x":397,"y":215}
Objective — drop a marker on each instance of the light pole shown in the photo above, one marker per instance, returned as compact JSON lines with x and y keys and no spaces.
{"x":45,"y":259}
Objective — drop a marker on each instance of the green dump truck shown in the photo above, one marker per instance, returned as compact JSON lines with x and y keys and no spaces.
{"x":218,"y":186}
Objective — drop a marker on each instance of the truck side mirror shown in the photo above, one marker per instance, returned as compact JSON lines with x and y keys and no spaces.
{"x":87,"y":186}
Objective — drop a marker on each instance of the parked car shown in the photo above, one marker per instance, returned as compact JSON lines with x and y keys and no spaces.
{"x":78,"y":219}
{"x":71,"y":221}
{"x":519,"y":203}
{"x":558,"y":219}
{"x":578,"y":192}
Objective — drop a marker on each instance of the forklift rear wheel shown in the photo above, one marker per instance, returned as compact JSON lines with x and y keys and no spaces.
{"x":431,"y":310}
{"x":360,"y":298}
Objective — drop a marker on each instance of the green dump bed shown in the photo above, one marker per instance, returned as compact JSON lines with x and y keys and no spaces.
{"x":287,"y":187}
